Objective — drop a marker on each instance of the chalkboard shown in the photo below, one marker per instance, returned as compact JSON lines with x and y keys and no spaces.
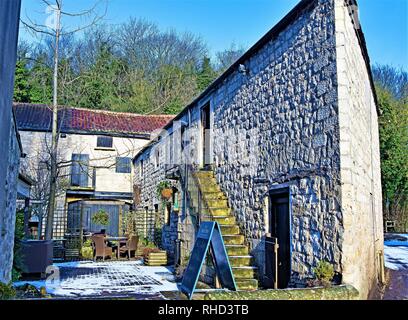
{"x":208,"y":234}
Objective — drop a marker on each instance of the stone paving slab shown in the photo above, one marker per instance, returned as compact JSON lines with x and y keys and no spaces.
{"x":109,"y":279}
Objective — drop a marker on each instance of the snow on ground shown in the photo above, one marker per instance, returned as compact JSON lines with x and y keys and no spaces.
{"x":106,"y":279}
{"x":396,"y":251}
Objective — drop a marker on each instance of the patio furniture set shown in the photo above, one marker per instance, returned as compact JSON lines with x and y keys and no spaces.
{"x":105,"y":247}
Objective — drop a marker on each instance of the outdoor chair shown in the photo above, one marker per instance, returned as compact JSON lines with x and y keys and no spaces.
{"x":131,"y":246}
{"x":100,"y":247}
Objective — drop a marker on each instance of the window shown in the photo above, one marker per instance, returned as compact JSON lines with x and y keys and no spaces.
{"x":79,"y":170}
{"x":123,"y":165}
{"x":182,"y":142}
{"x":104,"y":142}
{"x":141,"y":169}
{"x":157,"y":158}
{"x":171,"y":149}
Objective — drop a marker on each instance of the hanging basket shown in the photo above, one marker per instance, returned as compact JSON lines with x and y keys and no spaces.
{"x":166,"y":193}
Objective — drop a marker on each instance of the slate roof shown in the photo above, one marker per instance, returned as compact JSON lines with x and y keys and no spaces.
{"x":37,"y":117}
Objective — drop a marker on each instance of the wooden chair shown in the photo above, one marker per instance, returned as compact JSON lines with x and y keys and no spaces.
{"x":131,"y":246}
{"x":100,"y":247}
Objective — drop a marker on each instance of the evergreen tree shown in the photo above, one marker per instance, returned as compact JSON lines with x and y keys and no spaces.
{"x":206,"y":75}
{"x":393,"y":124}
{"x":105,"y":86}
{"x":21,"y":85}
{"x":40,"y":81}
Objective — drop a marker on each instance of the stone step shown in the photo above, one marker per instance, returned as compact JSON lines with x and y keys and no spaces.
{"x":244,"y":272}
{"x":225,"y":220}
{"x":206,"y":180}
{"x":216,"y":203}
{"x":240,"y":261}
{"x":234,"y":239}
{"x":214,"y":195}
{"x":229,"y":229}
{"x":210,"y":188}
{"x":204,"y":173}
{"x":216,"y":211}
{"x":246,"y":284}
{"x":235,"y":250}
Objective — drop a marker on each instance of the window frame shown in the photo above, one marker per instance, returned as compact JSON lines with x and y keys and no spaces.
{"x":80,"y":161}
{"x":104,"y":139}
{"x":119,"y":168}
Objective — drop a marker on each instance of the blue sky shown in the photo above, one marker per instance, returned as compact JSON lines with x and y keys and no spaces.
{"x":222,"y":22}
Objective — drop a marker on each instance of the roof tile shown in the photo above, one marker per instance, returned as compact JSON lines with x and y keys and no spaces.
{"x":37,"y":117}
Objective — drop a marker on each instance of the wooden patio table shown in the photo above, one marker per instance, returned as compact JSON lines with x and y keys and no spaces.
{"x":117,"y":239}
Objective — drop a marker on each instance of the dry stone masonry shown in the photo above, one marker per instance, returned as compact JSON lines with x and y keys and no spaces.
{"x":297,"y":111}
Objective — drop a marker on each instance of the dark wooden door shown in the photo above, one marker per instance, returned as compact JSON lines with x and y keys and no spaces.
{"x":279,"y":228}
{"x":206,"y":134}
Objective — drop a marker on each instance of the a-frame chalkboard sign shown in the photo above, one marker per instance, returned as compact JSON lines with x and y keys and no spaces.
{"x":208,"y":234}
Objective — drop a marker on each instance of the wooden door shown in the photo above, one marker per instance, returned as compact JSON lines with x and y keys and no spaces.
{"x":206,"y":135}
{"x":279,"y":228}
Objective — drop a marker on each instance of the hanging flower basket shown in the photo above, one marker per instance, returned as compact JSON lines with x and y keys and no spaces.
{"x":164,"y":190}
{"x":166,"y":193}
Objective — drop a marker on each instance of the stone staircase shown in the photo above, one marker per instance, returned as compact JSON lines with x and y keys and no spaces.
{"x":218,"y":210}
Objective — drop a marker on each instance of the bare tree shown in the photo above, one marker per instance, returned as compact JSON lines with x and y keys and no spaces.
{"x":393,"y":79}
{"x":54,"y":29}
{"x":227,"y":57}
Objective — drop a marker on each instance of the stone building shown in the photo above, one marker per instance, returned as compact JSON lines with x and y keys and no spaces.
{"x":282,"y":147}
{"x":10,"y":147}
{"x":95,"y":149}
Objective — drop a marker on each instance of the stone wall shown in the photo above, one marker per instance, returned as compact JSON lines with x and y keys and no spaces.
{"x":285,"y":114}
{"x":360,"y":159}
{"x":8,"y":219}
{"x":154,"y":162}
{"x":343,"y":292}
{"x":281,"y":121}
{"x":9,"y":148}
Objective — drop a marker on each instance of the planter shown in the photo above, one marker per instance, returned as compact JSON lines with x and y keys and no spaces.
{"x":158,"y":258}
{"x":166,"y":193}
{"x":37,"y":255}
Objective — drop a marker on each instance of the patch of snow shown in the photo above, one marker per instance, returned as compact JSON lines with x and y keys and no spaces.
{"x":93,"y":279}
{"x":396,"y":257}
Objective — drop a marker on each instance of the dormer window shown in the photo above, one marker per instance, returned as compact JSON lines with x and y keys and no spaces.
{"x":104,"y":142}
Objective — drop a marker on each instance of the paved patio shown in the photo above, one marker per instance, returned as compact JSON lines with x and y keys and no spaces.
{"x":110,"y":279}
